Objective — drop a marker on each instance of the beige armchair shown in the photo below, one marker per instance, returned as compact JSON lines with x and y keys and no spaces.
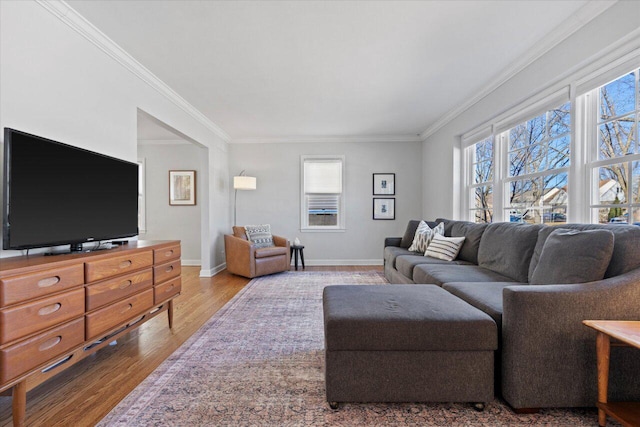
{"x":244,"y":259}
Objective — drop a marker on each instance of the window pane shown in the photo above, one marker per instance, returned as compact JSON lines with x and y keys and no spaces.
{"x":527,"y":133}
{"x":483,"y":172}
{"x":560,"y":120}
{"x":555,"y":193}
{"x":484,"y":197}
{"x":527,"y":160}
{"x":613,"y":184}
{"x":616,"y":138}
{"x":636,"y":216}
{"x":484,"y":150}
{"x":524,"y":193}
{"x":614,"y":215}
{"x":322,"y":210}
{"x":483,"y":216}
{"x":618,"y":97}
{"x":558,"y":154}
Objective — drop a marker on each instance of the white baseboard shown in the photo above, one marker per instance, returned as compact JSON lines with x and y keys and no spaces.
{"x":190,"y":262}
{"x":212,"y":272}
{"x":327,"y":262}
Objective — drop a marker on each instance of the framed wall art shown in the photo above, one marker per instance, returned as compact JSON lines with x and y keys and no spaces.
{"x":384,"y":208}
{"x":182,"y":188}
{"x":384,"y":184}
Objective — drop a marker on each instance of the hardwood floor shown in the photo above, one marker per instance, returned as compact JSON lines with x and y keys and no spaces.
{"x":83,"y":394}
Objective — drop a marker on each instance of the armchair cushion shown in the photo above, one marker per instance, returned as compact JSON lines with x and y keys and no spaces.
{"x":271,"y":251}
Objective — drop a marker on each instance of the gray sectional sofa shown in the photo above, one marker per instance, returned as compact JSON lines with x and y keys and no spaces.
{"x":545,"y":356}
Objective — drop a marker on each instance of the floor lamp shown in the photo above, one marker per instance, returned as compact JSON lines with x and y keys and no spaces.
{"x":241,"y":182}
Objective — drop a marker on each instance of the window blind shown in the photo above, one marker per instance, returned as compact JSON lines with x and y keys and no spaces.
{"x":323,"y":177}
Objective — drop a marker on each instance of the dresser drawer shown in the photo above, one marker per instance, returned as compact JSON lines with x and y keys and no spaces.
{"x":105,"y":292}
{"x":166,"y":254}
{"x":102,"y":269}
{"x":16,"y":289}
{"x":166,"y":271}
{"x":167,"y":290}
{"x":17,"y":359}
{"x":25,"y":319}
{"x":106,"y":318}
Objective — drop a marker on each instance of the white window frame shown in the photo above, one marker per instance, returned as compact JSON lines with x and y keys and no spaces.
{"x":304,"y":217}
{"x":469,"y":142}
{"x":142,"y":196}
{"x":590,"y":102}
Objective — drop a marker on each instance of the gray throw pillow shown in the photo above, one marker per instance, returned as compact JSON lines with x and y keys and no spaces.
{"x":571,"y":256}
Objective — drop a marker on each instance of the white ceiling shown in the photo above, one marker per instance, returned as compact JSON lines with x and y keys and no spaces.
{"x":283,"y":69}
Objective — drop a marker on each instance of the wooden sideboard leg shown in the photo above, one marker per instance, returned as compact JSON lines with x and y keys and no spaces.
{"x":19,"y":403}
{"x":170,"y":313}
{"x":603,"y":346}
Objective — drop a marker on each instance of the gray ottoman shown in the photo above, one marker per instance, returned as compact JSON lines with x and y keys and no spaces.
{"x":406,"y":343}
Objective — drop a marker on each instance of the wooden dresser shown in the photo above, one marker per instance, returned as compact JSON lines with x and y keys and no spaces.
{"x":57,"y":310}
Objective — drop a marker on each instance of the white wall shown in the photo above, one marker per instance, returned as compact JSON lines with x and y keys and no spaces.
{"x":57,"y":84}
{"x":172,"y":222}
{"x":441,"y":154}
{"x":277,"y":198}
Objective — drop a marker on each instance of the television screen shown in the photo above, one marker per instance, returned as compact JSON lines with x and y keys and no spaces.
{"x":56,"y":194}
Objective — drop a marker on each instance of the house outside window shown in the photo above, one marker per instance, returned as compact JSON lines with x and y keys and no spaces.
{"x":615,"y":153}
{"x":322,"y":198}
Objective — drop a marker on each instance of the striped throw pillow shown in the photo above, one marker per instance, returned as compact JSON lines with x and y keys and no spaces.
{"x":259,"y":235}
{"x":424,"y":235}
{"x":445,"y":248}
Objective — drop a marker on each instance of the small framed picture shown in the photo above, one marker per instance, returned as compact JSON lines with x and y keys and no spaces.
{"x":384,"y":208}
{"x":384,"y":184}
{"x":182,"y":188}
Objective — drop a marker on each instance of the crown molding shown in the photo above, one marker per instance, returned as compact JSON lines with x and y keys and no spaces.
{"x":578,"y":20}
{"x":82,"y":26}
{"x":163,"y":142}
{"x":328,"y":139}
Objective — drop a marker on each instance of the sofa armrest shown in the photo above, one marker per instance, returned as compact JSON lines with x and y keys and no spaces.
{"x":392,"y":241}
{"x":240,"y":256}
{"x":548,"y":355}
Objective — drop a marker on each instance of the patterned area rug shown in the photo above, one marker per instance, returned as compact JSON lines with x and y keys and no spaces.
{"x":259,"y":361}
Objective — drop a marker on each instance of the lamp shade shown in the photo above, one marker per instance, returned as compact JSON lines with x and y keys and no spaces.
{"x":244,"y":182}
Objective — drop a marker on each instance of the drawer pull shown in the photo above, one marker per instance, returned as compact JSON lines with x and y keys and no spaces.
{"x":49,"y":281}
{"x":49,"y":309}
{"x":125,"y":264}
{"x":168,"y":253}
{"x":129,"y":307}
{"x":169,"y":269}
{"x":170,"y":288}
{"x":50,"y":343}
{"x":126,"y":284}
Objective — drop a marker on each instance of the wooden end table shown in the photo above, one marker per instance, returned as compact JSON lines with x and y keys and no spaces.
{"x":625,"y":333}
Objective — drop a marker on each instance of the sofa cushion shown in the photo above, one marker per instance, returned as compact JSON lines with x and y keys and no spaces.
{"x":424,"y":235}
{"x":447,"y":273}
{"x":472,"y":233}
{"x":271,"y":251}
{"x":507,"y":248}
{"x":483,"y":296}
{"x":573,"y":256}
{"x":391,"y":253}
{"x":403,"y":318}
{"x":626,"y":250}
{"x":444,"y":248}
{"x":406,"y":263}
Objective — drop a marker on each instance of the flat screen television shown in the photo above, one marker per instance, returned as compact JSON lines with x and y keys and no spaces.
{"x":57,"y":194}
